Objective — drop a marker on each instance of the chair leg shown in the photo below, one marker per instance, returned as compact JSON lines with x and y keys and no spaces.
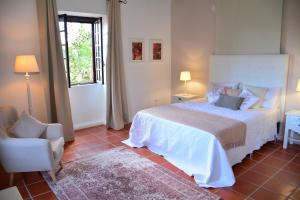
{"x":61,"y":167}
{"x":11,"y":179}
{"x":52,"y":175}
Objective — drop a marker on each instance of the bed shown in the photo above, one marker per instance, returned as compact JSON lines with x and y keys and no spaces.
{"x":196,"y":151}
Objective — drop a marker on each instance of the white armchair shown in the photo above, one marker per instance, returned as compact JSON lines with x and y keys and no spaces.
{"x":30,"y":154}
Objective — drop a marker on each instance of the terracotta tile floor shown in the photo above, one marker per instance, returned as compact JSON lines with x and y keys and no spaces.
{"x":271,"y":173}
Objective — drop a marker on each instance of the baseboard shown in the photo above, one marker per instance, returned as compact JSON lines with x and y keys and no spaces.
{"x":88,"y":125}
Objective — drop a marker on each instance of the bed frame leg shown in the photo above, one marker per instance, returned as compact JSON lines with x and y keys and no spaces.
{"x":250,"y":156}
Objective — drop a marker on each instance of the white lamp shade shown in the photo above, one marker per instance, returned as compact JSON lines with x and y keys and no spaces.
{"x":298,"y":86}
{"x":185,"y":76}
{"x":26,"y":63}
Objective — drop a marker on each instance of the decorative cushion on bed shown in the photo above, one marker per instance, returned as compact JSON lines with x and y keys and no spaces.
{"x":231,"y":102}
{"x":260,"y":92}
{"x":232,"y":92}
{"x":249,"y":99}
{"x":28,"y":127}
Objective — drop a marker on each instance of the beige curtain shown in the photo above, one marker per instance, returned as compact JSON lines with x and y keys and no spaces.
{"x":116,"y":113}
{"x":52,"y":67}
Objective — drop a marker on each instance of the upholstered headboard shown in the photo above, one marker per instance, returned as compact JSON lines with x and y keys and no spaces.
{"x":256,"y":70}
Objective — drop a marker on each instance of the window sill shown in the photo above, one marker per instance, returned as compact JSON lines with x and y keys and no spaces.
{"x":86,"y":84}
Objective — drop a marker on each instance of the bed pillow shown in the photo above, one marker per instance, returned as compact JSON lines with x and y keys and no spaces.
{"x":259,"y":92}
{"x":216,"y":89}
{"x":231,"y":102}
{"x":214,"y":94}
{"x":28,"y":127}
{"x":249,"y":99}
{"x":272,"y":98}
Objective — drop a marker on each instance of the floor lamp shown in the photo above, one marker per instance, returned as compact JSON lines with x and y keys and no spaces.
{"x":27,"y":64}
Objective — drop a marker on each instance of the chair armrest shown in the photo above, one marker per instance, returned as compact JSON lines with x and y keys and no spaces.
{"x":54,"y":131}
{"x":26,"y":154}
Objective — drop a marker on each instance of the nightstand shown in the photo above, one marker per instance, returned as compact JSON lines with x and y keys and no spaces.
{"x":292,"y":125}
{"x":177,"y":98}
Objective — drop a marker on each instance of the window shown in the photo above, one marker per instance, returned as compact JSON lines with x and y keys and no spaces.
{"x":82,"y":45}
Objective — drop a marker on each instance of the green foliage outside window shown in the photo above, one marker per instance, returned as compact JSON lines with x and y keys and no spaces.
{"x":80,"y":53}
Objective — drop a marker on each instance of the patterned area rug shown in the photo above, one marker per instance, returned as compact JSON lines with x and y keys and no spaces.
{"x":120,"y":174}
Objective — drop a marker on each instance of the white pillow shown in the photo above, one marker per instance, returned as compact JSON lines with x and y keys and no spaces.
{"x":259,"y":92}
{"x":214,"y":94}
{"x":28,"y":127}
{"x":249,"y":99}
{"x":216,"y":89}
{"x":272,"y":98}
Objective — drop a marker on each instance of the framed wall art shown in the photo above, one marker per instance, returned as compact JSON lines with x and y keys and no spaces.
{"x":137,"y":50}
{"x":156,"y":50}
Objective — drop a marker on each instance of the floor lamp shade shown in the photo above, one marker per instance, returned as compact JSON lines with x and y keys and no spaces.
{"x":26,"y":64}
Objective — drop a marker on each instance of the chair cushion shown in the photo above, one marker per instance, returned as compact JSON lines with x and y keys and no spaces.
{"x":28,"y":127}
{"x":57,"y":146}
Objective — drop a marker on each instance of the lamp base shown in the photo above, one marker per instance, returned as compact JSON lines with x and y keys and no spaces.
{"x":27,"y":76}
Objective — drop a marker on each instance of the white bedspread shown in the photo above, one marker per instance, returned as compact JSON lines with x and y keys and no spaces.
{"x":197,"y":152}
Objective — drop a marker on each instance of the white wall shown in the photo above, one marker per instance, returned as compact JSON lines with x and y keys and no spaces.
{"x":88,"y":105}
{"x":248,"y":26}
{"x":19,"y":35}
{"x":193,"y":41}
{"x":84,"y":6}
{"x":147,"y":83}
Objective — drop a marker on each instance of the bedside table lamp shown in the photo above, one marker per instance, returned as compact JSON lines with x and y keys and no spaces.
{"x":185,"y":76}
{"x":298,"y":86}
{"x":27,"y":64}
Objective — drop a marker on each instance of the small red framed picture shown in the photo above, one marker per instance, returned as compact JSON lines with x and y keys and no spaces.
{"x":156,"y":50}
{"x":137,"y":50}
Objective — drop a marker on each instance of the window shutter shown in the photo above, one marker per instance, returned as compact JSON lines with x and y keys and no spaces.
{"x":63,"y":30}
{"x":98,"y":38}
